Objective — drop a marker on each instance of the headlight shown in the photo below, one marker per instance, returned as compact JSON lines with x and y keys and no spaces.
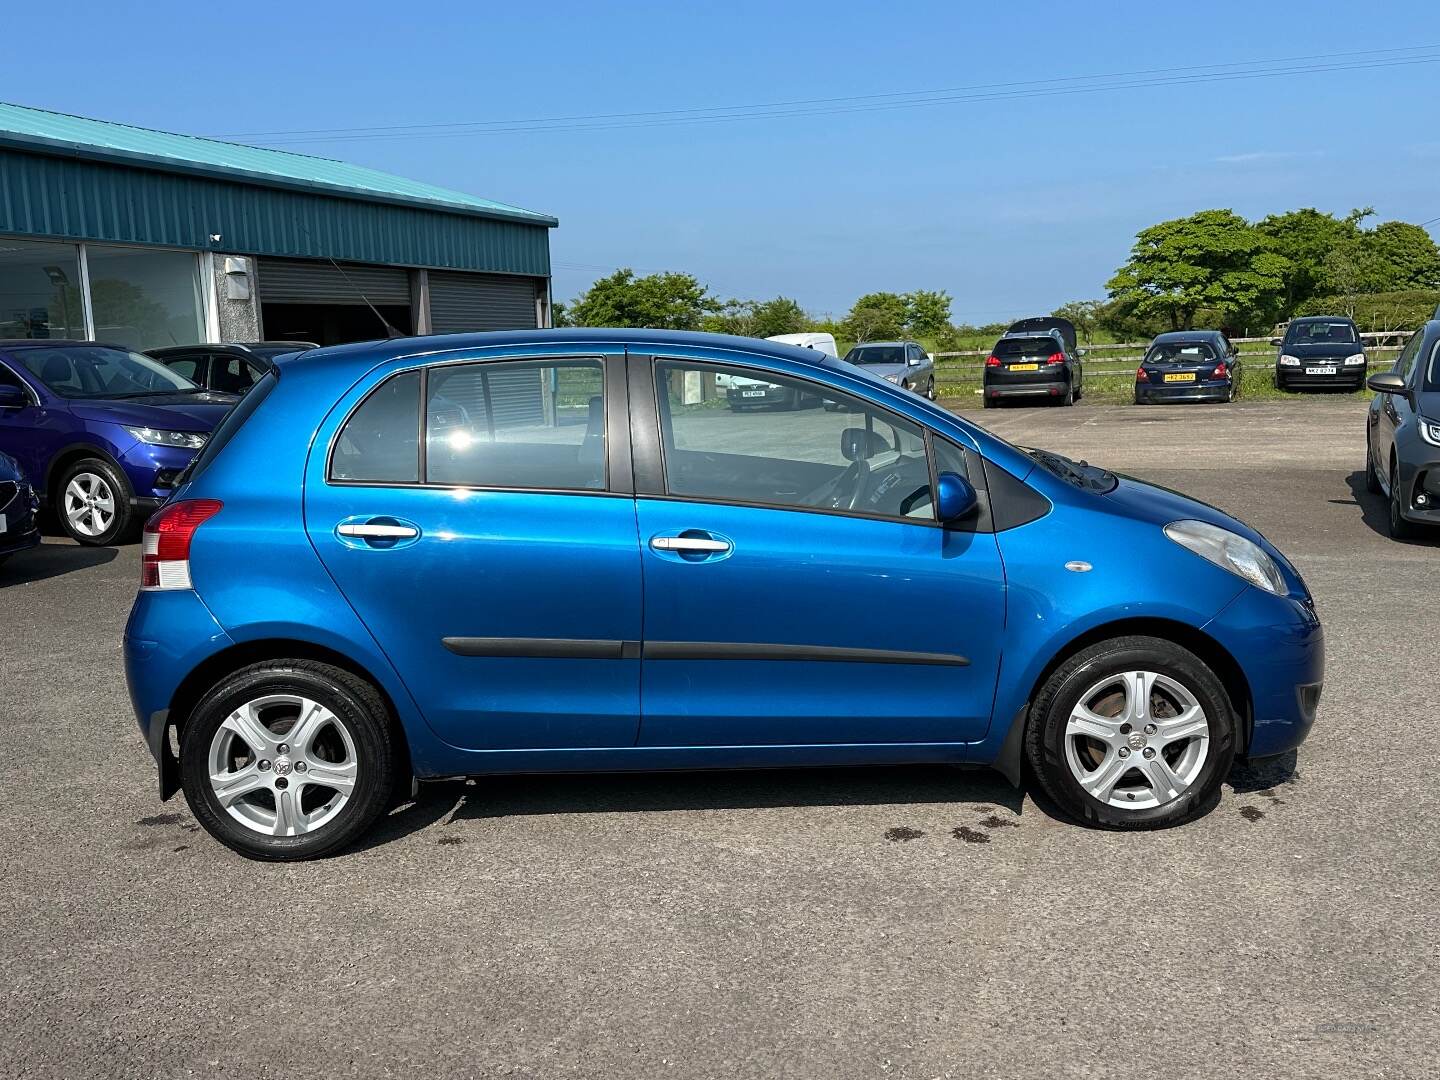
{"x":1358,"y":358}
{"x":187,"y":440}
{"x":1229,"y":551}
{"x":892,"y":378}
{"x":1429,"y":431}
{"x":1289,"y":361}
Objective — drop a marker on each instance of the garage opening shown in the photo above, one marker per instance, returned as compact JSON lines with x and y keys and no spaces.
{"x":302,"y":300}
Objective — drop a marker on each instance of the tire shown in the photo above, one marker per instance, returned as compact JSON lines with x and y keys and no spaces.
{"x":356,"y":737}
{"x":1094,"y":676}
{"x":987,"y":402}
{"x":1069,"y":397}
{"x":1400,"y":529}
{"x":95,"y":478}
{"x":1372,"y":478}
{"x":930,"y":389}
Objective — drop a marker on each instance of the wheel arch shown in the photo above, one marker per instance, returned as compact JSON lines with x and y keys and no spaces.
{"x":214,"y":668}
{"x":1215,"y":656}
{"x":69,"y":455}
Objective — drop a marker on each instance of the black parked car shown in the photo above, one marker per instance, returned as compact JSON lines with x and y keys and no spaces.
{"x":18,"y":504}
{"x":1188,"y":365}
{"x":1035,"y":358}
{"x":1320,"y":352}
{"x":1402,"y":434}
{"x":232,"y":368}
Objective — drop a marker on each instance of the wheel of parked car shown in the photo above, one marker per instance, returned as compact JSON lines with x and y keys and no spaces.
{"x":93,"y":503}
{"x":1132,"y":733}
{"x":930,"y":388}
{"x":1400,"y":528}
{"x":1372,"y":478}
{"x":1069,"y":396}
{"x":288,"y":759}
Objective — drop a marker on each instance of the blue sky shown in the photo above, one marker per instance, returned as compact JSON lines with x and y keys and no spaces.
{"x":1013,"y":205}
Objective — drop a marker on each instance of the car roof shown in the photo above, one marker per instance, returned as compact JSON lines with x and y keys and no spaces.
{"x":240,"y":347}
{"x":361,"y":356}
{"x":1171,"y":336}
{"x":1323,"y":318}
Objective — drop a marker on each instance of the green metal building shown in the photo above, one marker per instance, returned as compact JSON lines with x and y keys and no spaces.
{"x":145,"y":238}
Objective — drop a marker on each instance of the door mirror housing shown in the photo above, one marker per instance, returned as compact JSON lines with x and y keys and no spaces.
{"x":1277,"y":342}
{"x":1387,"y":382}
{"x":1079,"y":353}
{"x":12,"y":397}
{"x":955,"y":497}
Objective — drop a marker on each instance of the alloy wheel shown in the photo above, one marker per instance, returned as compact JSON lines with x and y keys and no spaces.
{"x":282,"y":765}
{"x":89,"y":504}
{"x":1137,"y":740}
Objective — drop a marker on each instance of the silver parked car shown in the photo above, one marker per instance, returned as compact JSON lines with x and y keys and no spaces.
{"x":904,"y":363}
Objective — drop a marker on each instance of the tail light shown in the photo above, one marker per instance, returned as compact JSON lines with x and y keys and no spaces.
{"x":992,"y":361}
{"x":165,"y":544}
{"x":1140,"y":375}
{"x":1055,"y":358}
{"x":1221,"y":371}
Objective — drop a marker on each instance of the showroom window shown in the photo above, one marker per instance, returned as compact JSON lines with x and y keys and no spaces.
{"x":40,"y":290}
{"x":143,"y":298}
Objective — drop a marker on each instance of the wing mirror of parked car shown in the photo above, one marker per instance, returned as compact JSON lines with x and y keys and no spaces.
{"x":1277,"y":342}
{"x":955,"y":498}
{"x":1079,"y":353}
{"x":1387,"y":382}
{"x":12,"y":397}
{"x":857,"y":444}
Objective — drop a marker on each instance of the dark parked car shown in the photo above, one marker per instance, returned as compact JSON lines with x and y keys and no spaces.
{"x":1116,"y":640}
{"x":1035,"y":358}
{"x":1188,"y":365}
{"x":904,"y":363}
{"x":1402,"y":434}
{"x":18,"y":504}
{"x":1320,"y":352}
{"x":102,"y":432}
{"x":232,"y":368}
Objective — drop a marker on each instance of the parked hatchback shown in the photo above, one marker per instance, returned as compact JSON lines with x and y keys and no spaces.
{"x":904,"y":363}
{"x":1188,"y":365}
{"x":103,"y":433}
{"x":1402,"y":435}
{"x":584,"y":564}
{"x":1037,"y":359}
{"x":1322,"y":352}
{"x":232,"y":368}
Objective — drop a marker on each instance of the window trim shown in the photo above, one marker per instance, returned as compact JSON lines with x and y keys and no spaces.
{"x":617,"y":479}
{"x":656,"y":439}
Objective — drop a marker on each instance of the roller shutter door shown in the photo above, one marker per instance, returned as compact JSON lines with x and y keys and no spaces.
{"x":467,"y":302}
{"x":298,"y":281}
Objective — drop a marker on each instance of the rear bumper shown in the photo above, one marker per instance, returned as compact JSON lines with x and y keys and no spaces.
{"x":1205,"y":391}
{"x":1280,"y":647}
{"x":1027,"y":388}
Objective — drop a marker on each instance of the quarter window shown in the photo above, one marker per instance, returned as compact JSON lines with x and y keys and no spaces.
{"x":523,"y":424}
{"x":380,"y":443}
{"x":821,"y":451}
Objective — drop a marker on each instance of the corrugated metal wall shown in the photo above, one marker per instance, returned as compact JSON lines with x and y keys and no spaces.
{"x":47,"y":196}
{"x":461,"y":302}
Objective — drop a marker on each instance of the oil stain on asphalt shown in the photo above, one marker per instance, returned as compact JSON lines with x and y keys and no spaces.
{"x":1250,"y":813}
{"x":969,"y":835}
{"x":902,"y":832}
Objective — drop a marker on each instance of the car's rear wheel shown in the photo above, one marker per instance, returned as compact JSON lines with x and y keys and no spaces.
{"x":93,"y":503}
{"x":930,"y":389}
{"x":289,"y":759}
{"x":1132,"y":733}
{"x":1068,"y":398}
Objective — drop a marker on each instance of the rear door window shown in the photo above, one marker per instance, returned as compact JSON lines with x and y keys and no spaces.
{"x":380,"y":442}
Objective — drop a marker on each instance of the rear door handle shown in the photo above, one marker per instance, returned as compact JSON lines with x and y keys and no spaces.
{"x":378,"y":532}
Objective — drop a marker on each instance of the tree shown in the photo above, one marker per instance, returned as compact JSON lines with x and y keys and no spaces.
{"x":780,"y":316}
{"x":1214,"y":260}
{"x":1306,"y":238}
{"x":927,"y":313}
{"x":1408,"y":256}
{"x":670,"y":301}
{"x":876,"y":316}
{"x":1084,"y":314}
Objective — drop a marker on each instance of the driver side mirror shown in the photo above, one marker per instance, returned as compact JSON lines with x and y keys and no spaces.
{"x":955,"y":497}
{"x":12,"y":397}
{"x":1387,"y":382}
{"x":1277,"y":342}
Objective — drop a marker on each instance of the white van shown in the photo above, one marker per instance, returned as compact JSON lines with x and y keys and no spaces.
{"x":743,"y":393}
{"x":819,"y":342}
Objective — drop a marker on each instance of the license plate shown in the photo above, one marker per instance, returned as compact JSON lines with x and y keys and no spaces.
{"x":1320,"y":370}
{"x":752,"y":393}
{"x":1187,"y":376}
{"x":1024,"y":367}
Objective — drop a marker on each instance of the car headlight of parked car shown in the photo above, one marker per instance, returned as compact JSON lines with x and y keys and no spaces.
{"x":1289,"y":361}
{"x":1229,"y":551}
{"x":892,"y":378}
{"x":1353,"y":361}
{"x":1429,"y":431}
{"x":186,"y":440}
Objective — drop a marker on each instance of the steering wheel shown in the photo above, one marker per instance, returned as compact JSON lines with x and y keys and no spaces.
{"x":846,"y":491}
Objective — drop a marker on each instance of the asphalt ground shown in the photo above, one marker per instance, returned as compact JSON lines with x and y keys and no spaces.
{"x":838,"y":923}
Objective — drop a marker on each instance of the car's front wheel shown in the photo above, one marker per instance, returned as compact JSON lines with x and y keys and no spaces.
{"x":289,"y":759}
{"x":1132,"y":733}
{"x":1400,"y":528}
{"x":94,"y":503}
{"x":1372,"y":478}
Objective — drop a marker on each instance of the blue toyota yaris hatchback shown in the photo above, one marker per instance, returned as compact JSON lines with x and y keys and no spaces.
{"x":553,"y":551}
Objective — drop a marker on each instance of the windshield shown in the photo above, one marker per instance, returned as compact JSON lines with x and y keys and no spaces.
{"x":876,"y":354}
{"x":1008,"y":348}
{"x":1321,"y":333}
{"x":99,"y":371}
{"x":1180,"y":352}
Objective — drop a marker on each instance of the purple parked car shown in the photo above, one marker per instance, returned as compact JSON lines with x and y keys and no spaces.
{"x":102,"y":432}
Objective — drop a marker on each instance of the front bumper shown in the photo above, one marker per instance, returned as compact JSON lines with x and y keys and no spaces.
{"x":1345,"y":378}
{"x":1280,"y":647}
{"x":19,"y":527}
{"x":154,"y":470}
{"x":1420,"y":483}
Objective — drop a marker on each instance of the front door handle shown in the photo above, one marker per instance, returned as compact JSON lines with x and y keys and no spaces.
{"x":691,"y":544}
{"x":369,"y":531}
